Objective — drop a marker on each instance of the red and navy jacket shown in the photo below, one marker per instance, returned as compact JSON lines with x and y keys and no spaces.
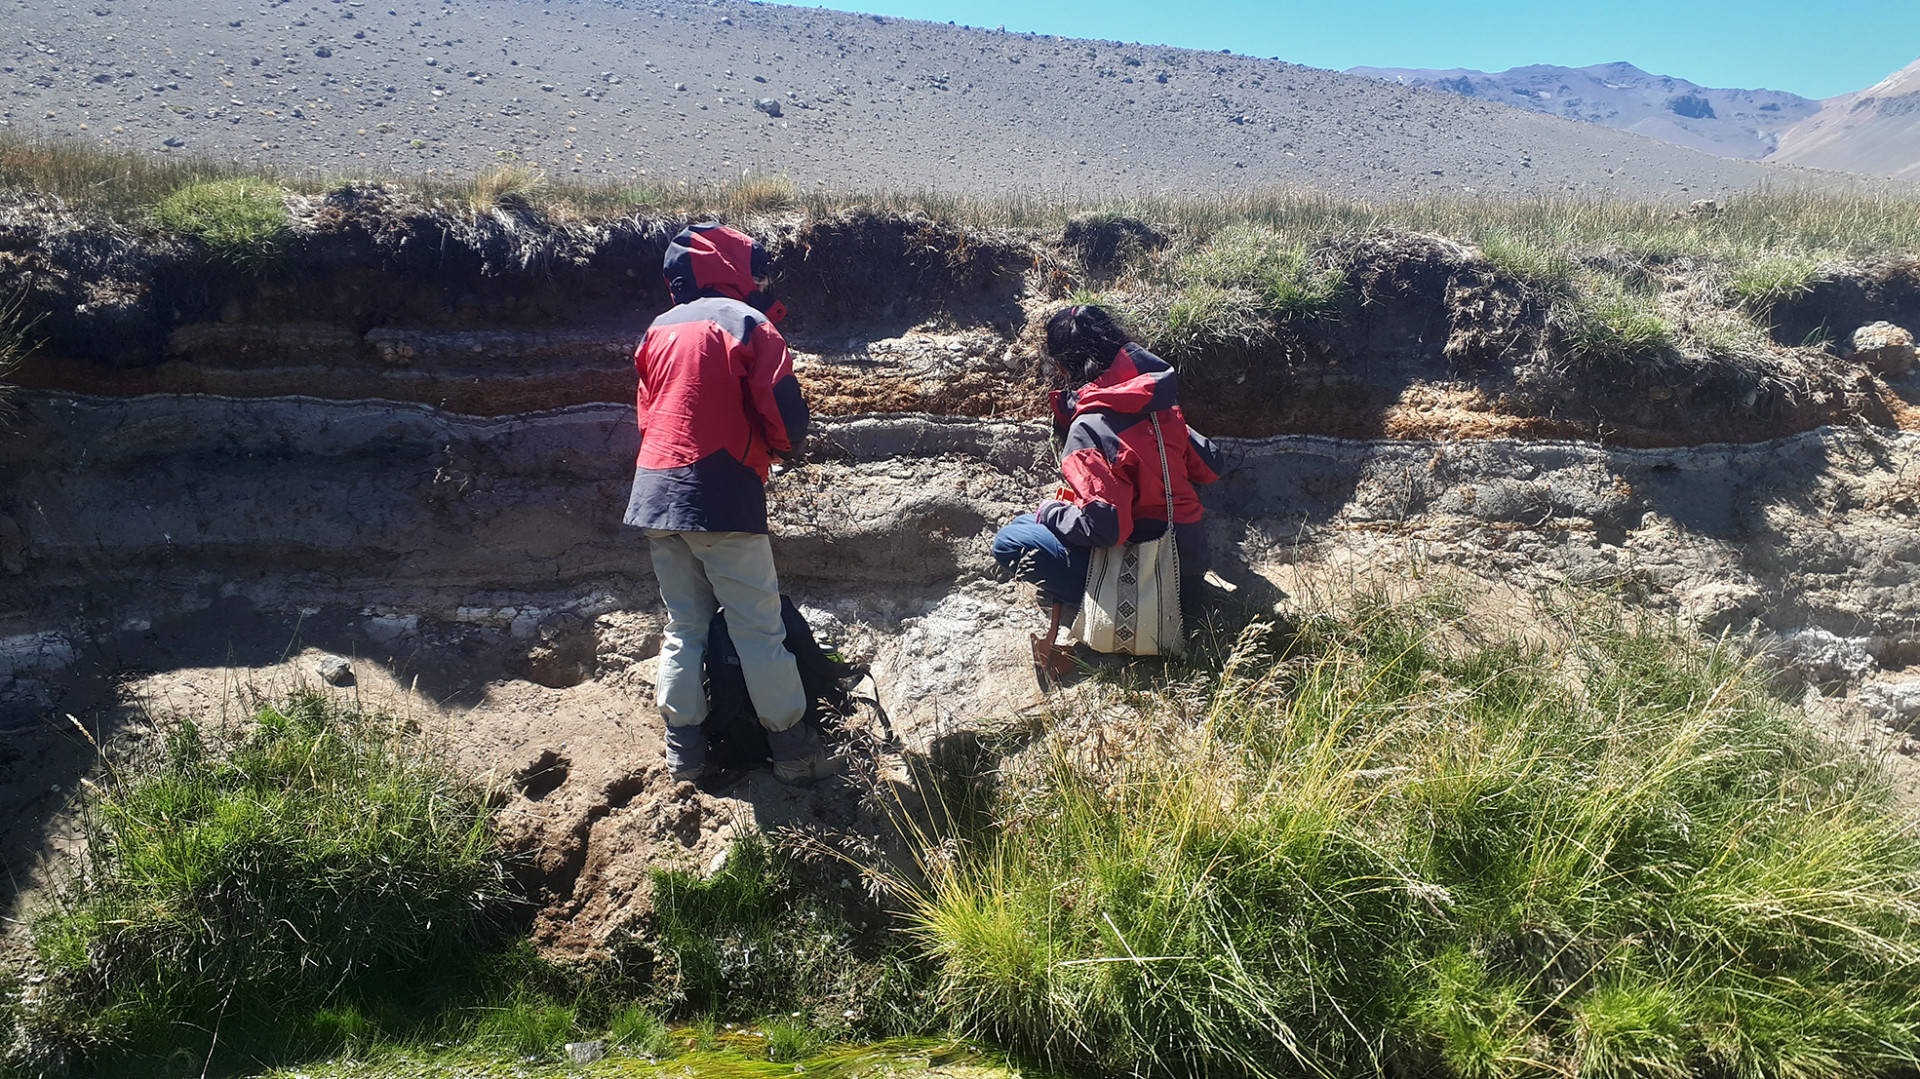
{"x":1114,"y":491}
{"x":717,"y":401}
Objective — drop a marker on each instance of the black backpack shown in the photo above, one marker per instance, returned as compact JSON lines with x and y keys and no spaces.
{"x":735,"y":738}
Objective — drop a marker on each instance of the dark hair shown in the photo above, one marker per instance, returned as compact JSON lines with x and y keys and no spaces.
{"x":1084,"y":339}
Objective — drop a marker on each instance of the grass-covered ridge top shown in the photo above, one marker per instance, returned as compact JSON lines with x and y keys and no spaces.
{"x":1285,"y":312}
{"x":1808,"y":222}
{"x":1391,"y":844}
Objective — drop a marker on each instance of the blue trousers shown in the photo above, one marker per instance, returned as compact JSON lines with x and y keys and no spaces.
{"x":1036,"y":555}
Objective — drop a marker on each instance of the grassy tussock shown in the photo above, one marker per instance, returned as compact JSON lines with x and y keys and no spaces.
{"x":1774,"y":279}
{"x":1609,"y":319}
{"x":763,"y":936}
{"x":1233,"y":292}
{"x":241,"y":220}
{"x":508,"y":187}
{"x":1805,"y":223}
{"x":321,"y":859}
{"x":1392,"y":845}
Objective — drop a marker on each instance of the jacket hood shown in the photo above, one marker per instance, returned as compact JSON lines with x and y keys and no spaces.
{"x":1136,"y":381}
{"x":713,"y":260}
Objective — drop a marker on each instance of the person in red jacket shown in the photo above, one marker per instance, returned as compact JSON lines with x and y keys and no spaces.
{"x":1114,"y":492}
{"x":717,"y":404}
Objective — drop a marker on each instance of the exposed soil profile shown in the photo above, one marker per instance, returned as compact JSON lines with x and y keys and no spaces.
{"x":384,"y":298}
{"x":410,"y":448}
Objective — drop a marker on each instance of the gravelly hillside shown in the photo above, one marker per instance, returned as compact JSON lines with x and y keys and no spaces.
{"x":684,"y":90}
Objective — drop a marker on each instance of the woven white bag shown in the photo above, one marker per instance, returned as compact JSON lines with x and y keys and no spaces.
{"x":1132,"y":605}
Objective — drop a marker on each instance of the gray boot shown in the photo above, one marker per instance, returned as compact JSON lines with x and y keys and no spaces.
{"x":800,"y":757}
{"x":686,"y":752}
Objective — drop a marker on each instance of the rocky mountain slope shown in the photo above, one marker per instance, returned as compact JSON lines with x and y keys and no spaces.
{"x":681,"y":90}
{"x":1730,"y":123}
{"x":1875,"y":131}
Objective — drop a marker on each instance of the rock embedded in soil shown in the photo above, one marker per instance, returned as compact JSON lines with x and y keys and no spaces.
{"x":334,"y":671}
{"x":1896,"y":702}
{"x":1886,"y":348}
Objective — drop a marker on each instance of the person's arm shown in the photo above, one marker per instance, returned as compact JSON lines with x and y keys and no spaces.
{"x":1100,"y":512}
{"x":775,"y":393}
{"x":1203,"y":460}
{"x":643,"y":397}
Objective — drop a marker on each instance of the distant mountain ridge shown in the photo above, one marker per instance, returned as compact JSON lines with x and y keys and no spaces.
{"x":1746,"y":124}
{"x":1875,"y":131}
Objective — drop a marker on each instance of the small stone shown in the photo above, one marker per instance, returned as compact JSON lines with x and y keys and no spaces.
{"x":1896,"y":702}
{"x":768,"y":105}
{"x":335,"y":671}
{"x":1825,"y":658}
{"x":586,"y":1052}
{"x":388,"y":628}
{"x":323,"y":52}
{"x":1886,"y":348}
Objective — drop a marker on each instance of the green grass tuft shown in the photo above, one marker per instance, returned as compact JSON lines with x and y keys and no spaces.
{"x":1613,"y":321}
{"x":241,"y":220}
{"x":1393,"y":844}
{"x":1545,"y":266}
{"x":635,"y":1029}
{"x":771,"y":935}
{"x":1765,"y":283}
{"x":526,"y":1028}
{"x":1232,"y":293}
{"x":790,"y":1041}
{"x":321,"y":860}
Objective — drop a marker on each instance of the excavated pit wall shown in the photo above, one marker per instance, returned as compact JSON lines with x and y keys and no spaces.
{"x":382,"y":520}
{"x":413,"y":453}
{"x":151,"y":547}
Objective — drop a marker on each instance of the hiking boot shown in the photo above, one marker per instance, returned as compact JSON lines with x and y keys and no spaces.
{"x":686,"y":753}
{"x":800,"y":757}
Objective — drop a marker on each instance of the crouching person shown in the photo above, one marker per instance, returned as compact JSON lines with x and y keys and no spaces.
{"x":718,"y":404}
{"x":1114,"y":491}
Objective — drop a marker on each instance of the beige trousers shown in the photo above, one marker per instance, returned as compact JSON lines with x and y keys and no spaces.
{"x":700,"y":572}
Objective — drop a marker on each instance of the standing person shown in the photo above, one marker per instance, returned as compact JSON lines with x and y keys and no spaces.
{"x":718,"y":403}
{"x":1114,"y":492}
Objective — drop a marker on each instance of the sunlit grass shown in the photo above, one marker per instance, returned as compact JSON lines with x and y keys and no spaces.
{"x":1396,"y":843}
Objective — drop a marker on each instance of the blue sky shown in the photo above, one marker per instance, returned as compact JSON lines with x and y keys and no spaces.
{"x":1816,"y":48}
